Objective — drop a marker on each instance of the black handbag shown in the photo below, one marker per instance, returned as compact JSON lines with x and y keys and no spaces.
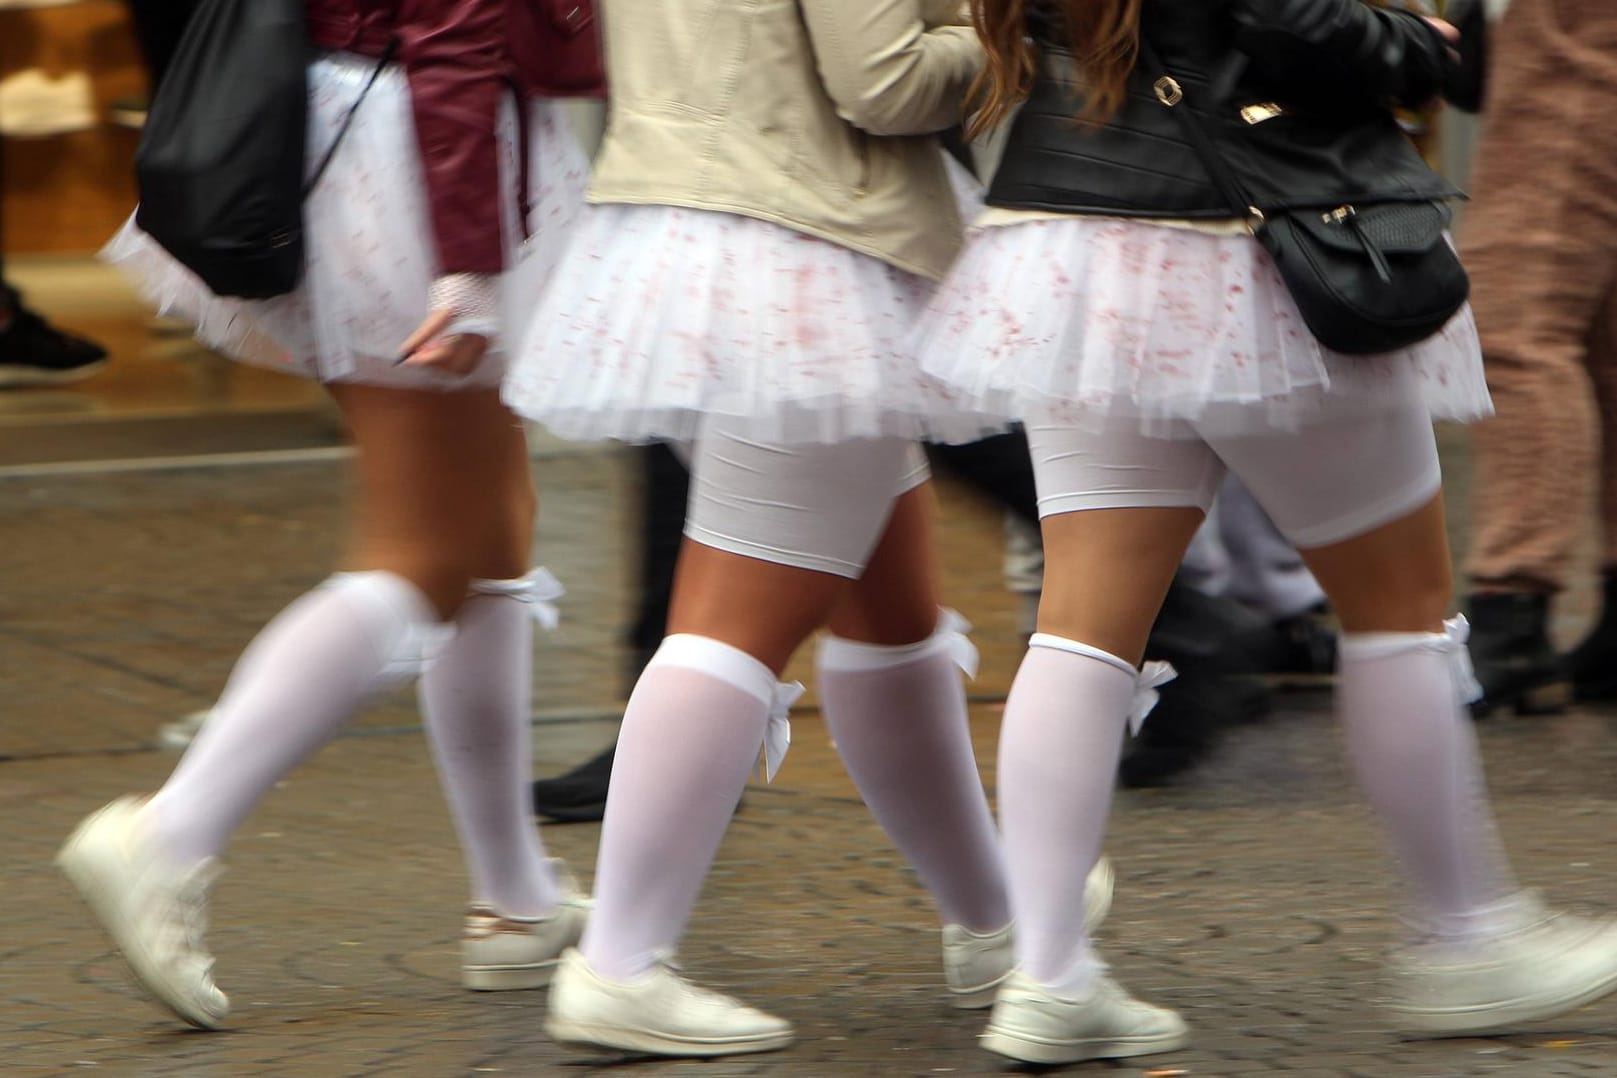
{"x":222,"y":159}
{"x":1366,"y":278}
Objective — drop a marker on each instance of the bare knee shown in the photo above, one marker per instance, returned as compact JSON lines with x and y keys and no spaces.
{"x":895,"y":600}
{"x":1416,"y":601}
{"x":1394,"y":579}
{"x":875,"y":619}
{"x":762,"y":608}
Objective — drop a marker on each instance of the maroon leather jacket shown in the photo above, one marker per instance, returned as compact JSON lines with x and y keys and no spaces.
{"x":461,"y":58}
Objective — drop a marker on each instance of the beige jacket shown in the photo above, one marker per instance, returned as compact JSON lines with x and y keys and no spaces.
{"x":814,"y":114}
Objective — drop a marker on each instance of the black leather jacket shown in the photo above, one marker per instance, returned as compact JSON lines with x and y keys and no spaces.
{"x":1316,"y":79}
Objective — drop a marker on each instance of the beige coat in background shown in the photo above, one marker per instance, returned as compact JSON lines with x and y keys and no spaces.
{"x":807,"y":113}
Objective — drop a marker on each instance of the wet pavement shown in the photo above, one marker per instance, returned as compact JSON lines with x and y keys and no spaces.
{"x":1252,"y":896}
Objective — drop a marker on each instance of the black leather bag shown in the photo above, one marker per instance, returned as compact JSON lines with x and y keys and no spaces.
{"x":1366,"y":278}
{"x":221,"y":163}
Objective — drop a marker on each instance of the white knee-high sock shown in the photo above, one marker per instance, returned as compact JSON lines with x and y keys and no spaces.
{"x":298,"y":683}
{"x":1402,"y":702}
{"x":690,"y":738}
{"x":475,"y":703}
{"x":1058,"y":755}
{"x":898,"y":718}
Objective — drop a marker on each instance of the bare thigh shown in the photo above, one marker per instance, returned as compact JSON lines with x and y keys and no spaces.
{"x":784,"y":540}
{"x":443,"y":488}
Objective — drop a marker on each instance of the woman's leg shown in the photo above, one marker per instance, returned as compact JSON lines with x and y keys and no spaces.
{"x":1119,"y":511}
{"x":774,"y":538}
{"x":893,"y":702}
{"x":1362,"y":503}
{"x":424,"y":527}
{"x":743,"y":602}
{"x":1402,"y":696}
{"x":476,"y":702}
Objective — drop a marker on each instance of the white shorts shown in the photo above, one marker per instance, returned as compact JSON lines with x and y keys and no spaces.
{"x":808,"y":506}
{"x":1321,"y":485}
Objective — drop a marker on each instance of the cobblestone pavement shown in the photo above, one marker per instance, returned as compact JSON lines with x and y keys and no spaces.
{"x":1253,"y":897}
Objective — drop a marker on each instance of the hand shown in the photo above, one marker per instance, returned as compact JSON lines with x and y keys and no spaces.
{"x":427,"y":347}
{"x":1449,"y":32}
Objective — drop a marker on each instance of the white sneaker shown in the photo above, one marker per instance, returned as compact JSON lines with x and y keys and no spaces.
{"x":976,"y":964}
{"x":1034,"y":1026}
{"x":660,"y":1014}
{"x":155,"y":912}
{"x":501,"y":953}
{"x":1552,"y":964}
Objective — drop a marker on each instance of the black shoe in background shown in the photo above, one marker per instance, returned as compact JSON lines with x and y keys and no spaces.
{"x":1512,"y":656}
{"x":1305,"y":646}
{"x":1193,"y":711}
{"x":1593,"y":663}
{"x":578,"y":795}
{"x":33,"y":352}
{"x":1216,"y":647}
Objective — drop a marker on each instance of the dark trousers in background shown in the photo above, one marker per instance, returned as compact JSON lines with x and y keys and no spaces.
{"x":1541,"y":245}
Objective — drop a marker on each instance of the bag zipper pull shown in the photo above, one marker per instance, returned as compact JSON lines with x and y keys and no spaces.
{"x":1348,"y":217}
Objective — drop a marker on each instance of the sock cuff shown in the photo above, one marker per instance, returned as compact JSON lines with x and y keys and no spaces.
{"x":1053,"y":642}
{"x":538,"y":590}
{"x":1364,"y":646}
{"x":1451,"y":644}
{"x":402,"y":622}
{"x":836,"y":653}
{"x":719,"y":660}
{"x":735,"y":667}
{"x":1147,"y":679}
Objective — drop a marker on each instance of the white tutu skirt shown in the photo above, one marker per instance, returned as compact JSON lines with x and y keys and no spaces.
{"x":1078,"y":320}
{"x":661,"y":316}
{"x":370,"y":255}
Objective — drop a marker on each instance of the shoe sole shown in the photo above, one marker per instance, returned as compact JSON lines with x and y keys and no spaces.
{"x":12,"y":377}
{"x":80,"y":862}
{"x":588,"y":1034}
{"x":977,"y":998}
{"x":1499,"y":1018}
{"x":508,"y":978}
{"x":1028,"y":1049}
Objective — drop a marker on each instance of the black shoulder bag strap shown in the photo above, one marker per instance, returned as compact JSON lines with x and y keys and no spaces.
{"x":1172,"y":96}
{"x":386,"y":58}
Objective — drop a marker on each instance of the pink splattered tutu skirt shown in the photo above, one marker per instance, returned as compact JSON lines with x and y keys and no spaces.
{"x":370,"y":254}
{"x":1079,"y":319}
{"x":661,"y":316}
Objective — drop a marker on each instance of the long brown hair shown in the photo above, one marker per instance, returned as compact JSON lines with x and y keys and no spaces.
{"x":1104,"y":36}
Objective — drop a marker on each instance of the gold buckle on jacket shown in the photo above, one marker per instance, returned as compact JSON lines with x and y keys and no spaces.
{"x":1168,"y":90}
